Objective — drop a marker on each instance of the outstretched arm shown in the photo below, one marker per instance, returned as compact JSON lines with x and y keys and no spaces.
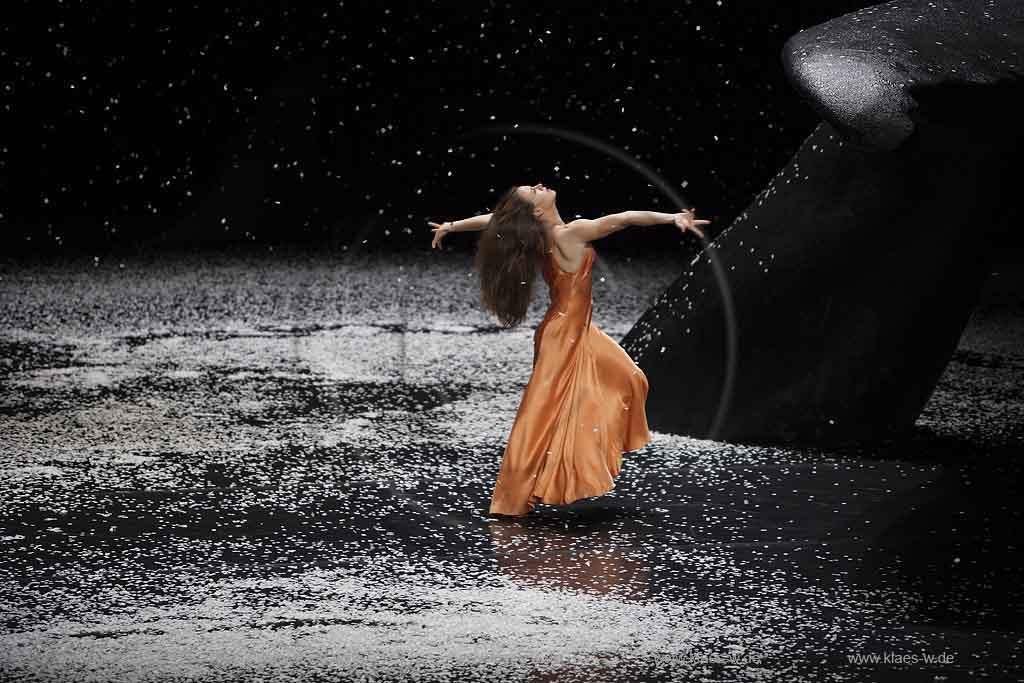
{"x":466,"y":224}
{"x":587,"y":230}
{"x":474,"y":223}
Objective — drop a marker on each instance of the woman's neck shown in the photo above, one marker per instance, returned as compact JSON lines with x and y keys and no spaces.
{"x":551,"y":219}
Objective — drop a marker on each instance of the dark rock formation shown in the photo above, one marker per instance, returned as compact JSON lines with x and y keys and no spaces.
{"x":853,"y":274}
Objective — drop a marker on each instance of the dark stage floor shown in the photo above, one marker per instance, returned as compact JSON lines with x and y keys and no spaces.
{"x":277,"y":467}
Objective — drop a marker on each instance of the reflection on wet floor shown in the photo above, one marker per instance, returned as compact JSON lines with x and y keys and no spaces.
{"x":261,"y":494}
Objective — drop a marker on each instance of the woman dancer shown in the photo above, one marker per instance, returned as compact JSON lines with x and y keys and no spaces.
{"x":584,"y":404}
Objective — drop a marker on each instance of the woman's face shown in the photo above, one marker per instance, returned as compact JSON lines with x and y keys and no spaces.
{"x":538,"y":195}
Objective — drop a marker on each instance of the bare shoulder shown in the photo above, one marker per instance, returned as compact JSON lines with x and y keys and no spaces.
{"x":570,"y":237}
{"x":585,"y":230}
{"x":570,"y":247}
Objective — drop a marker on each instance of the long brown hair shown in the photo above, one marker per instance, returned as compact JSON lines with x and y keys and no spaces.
{"x":507,"y":257}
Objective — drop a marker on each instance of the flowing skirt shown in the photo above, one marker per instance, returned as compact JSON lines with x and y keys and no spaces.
{"x":583,"y":407}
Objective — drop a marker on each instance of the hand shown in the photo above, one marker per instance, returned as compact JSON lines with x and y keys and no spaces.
{"x":687,"y":220}
{"x":440,"y":230}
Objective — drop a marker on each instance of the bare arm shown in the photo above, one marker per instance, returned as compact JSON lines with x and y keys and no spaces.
{"x":475,"y":223}
{"x":587,"y":230}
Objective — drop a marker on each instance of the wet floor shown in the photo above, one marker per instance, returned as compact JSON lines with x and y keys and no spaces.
{"x":277,"y":467}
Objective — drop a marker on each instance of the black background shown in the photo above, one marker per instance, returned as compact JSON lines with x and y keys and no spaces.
{"x":137,"y":124}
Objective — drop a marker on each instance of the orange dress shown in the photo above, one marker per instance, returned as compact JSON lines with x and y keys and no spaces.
{"x":582,"y":408}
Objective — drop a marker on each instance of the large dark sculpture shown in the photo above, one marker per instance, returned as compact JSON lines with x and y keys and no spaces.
{"x":853,"y":274}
